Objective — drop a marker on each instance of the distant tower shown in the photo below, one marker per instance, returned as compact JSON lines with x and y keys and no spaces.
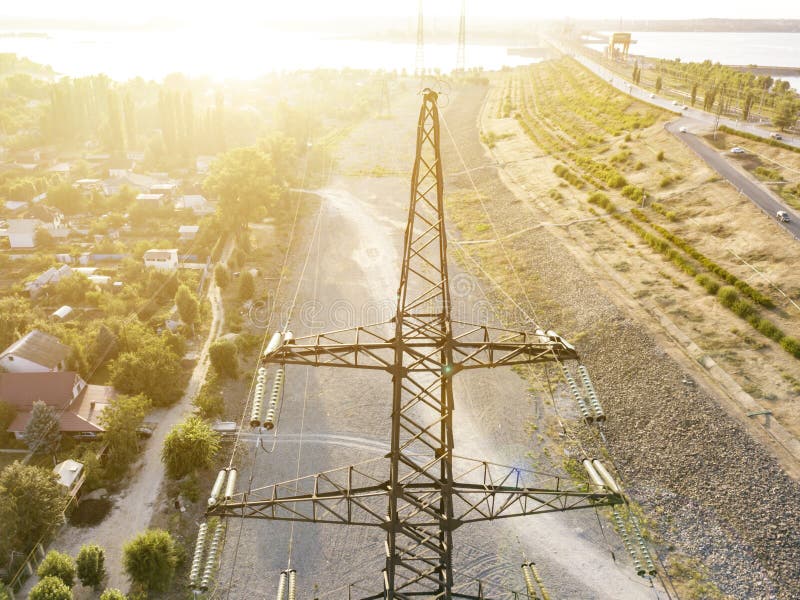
{"x":462,"y":37}
{"x":419,"y":67}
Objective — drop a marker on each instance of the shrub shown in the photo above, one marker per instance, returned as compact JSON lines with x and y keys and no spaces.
{"x":791,"y":345}
{"x":224,"y":358}
{"x":727,"y":296}
{"x":222,"y":276}
{"x":633,"y":192}
{"x":189,"y":446}
{"x":742,"y":308}
{"x":91,"y":565}
{"x":767,"y":327}
{"x":601,"y":199}
{"x":50,"y":588}
{"x":57,"y":564}
{"x":112,"y":594}
{"x":711,"y":286}
{"x":660,"y":156}
{"x":150,"y":559}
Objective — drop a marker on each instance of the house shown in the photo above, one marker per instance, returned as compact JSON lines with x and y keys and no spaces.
{"x":188,"y":232}
{"x":166,"y":189}
{"x":135,"y":181}
{"x":162,"y":259}
{"x":22,"y":232}
{"x":62,"y":314}
{"x":78,"y":405}
{"x":152,"y":200}
{"x":36,"y":352}
{"x":15,"y":206}
{"x":51,"y":276}
{"x":196,"y":203}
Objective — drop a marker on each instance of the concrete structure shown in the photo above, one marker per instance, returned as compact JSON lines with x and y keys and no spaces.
{"x":36,"y":352}
{"x":22,"y":232}
{"x":162,"y":259}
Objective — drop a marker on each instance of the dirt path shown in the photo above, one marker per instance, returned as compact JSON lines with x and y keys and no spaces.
{"x":354,"y":281}
{"x":134,"y":507}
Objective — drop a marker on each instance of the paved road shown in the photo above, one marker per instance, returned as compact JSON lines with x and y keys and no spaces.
{"x":724,"y":164}
{"x":667,"y":103}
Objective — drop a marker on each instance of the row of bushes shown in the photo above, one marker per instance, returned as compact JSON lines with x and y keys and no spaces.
{"x":758,"y":138}
{"x":600,"y":199}
{"x":664,"y":211}
{"x":568,"y":175}
{"x":601,"y":171}
{"x":634,"y":192}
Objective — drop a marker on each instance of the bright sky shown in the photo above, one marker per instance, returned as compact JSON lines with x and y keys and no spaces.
{"x":247,"y":10}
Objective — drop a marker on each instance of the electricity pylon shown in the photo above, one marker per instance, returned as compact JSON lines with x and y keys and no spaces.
{"x":420,"y":492}
{"x":462,"y":38}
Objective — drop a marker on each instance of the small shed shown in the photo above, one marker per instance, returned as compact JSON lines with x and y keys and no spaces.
{"x":62,"y":314}
{"x":188,"y":232}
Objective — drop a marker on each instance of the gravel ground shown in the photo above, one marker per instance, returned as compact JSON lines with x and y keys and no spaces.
{"x":714,"y":492}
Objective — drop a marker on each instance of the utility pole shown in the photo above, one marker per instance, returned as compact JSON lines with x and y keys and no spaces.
{"x":420,"y":492}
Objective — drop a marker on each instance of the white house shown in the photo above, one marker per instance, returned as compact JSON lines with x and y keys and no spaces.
{"x":154,"y":200}
{"x":162,"y":259}
{"x":196,"y":203}
{"x":22,"y":232}
{"x":188,"y":232}
{"x":36,"y":352}
{"x":51,"y":276}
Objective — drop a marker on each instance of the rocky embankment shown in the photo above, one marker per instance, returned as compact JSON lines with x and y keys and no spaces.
{"x":713,"y":491}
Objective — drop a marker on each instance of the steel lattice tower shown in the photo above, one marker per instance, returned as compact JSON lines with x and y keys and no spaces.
{"x":462,"y":38}
{"x":421,"y":491}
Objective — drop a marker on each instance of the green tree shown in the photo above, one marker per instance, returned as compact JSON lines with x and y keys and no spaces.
{"x":247,"y":286}
{"x":50,"y":588}
{"x":153,"y":370}
{"x":190,"y":446}
{"x":16,"y":318}
{"x":43,"y":432}
{"x":112,"y":594}
{"x":786,"y":114}
{"x":188,"y":306}
{"x":120,"y":420}
{"x":222,"y":276}
{"x":658,"y":83}
{"x":66,"y":198}
{"x":243,"y":180}
{"x":57,"y":564}
{"x":7,"y":415}
{"x":694,"y":93}
{"x":31,"y":505}
{"x":224,"y":358}
{"x":150,"y":559}
{"x":91,"y":565}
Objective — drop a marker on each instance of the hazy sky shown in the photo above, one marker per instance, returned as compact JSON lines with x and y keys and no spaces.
{"x":247,"y":10}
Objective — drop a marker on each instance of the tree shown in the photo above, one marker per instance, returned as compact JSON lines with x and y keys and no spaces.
{"x":112,"y":594}
{"x":658,"y":83}
{"x":50,"y":588}
{"x":120,"y":419}
{"x":150,"y":559}
{"x":222,"y":276}
{"x":57,"y":564}
{"x":91,"y":565}
{"x":694,"y":93}
{"x":243,"y":179}
{"x":66,"y":198}
{"x":31,"y":505}
{"x":786,"y":114}
{"x":188,"y":306}
{"x":16,"y":317}
{"x":247,"y":286}
{"x":224,"y":359}
{"x":190,"y":446}
{"x":153,"y":370}
{"x":43,"y":432}
{"x":7,"y":415}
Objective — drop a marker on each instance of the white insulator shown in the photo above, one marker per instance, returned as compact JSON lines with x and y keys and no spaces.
{"x":643,"y":549}
{"x":292,"y":584}
{"x":593,"y":400}
{"x":211,"y":559}
{"x":531,"y":589}
{"x":274,"y":343}
{"x":595,"y":478}
{"x":539,"y":582}
{"x":282,"y":586}
{"x":275,"y":395}
{"x":230,"y":487}
{"x":573,"y":387}
{"x":199,"y":550}
{"x":257,"y":411}
{"x":269,"y":420}
{"x":606,"y":476}
{"x":623,"y":533}
{"x":217,"y":489}
{"x":288,"y":338}
{"x":262,"y":375}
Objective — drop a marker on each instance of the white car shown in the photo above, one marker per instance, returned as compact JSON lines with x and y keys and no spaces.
{"x":737,"y":150}
{"x":674,"y":103}
{"x":652,"y":95}
{"x":782,"y":216}
{"x":684,"y":107}
{"x":683,"y":130}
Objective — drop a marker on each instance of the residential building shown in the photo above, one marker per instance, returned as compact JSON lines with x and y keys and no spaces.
{"x":51,"y":276}
{"x":36,"y":352}
{"x":162,"y":259}
{"x":196,"y":203}
{"x":22,"y":232}
{"x":188,"y":232}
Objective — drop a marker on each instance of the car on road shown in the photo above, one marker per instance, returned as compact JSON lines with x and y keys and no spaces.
{"x":776,"y":136}
{"x":683,"y":130}
{"x":652,"y":95}
{"x":737,"y":150}
{"x":674,"y":103}
{"x":684,"y":107}
{"x":782,"y":216}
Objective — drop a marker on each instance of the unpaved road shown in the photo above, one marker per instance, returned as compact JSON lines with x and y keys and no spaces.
{"x":134,"y":507}
{"x":352,"y":278}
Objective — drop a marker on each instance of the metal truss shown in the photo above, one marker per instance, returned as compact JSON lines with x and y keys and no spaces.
{"x":420,"y":492}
